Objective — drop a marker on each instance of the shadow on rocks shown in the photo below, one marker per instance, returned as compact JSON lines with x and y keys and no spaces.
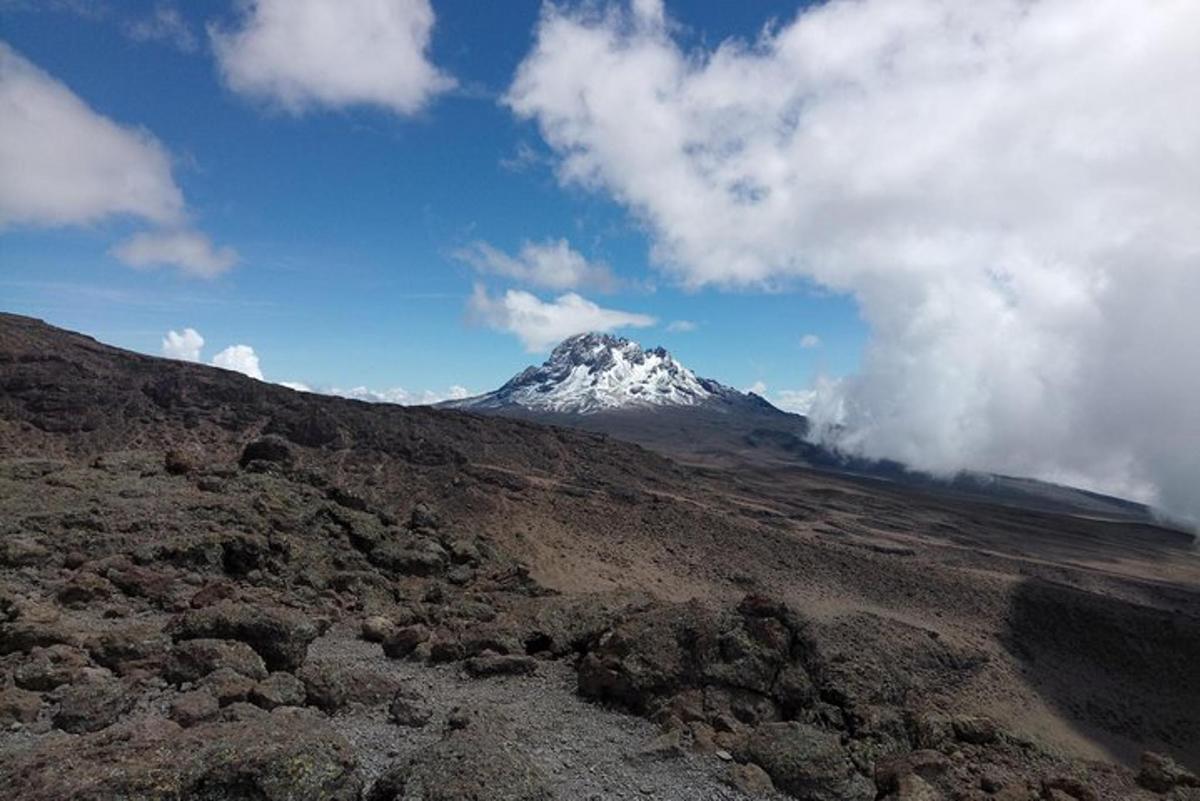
{"x":1121,"y":671}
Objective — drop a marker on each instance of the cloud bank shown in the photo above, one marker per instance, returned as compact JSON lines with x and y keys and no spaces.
{"x":301,"y":54}
{"x":399,"y":395}
{"x":552,"y":264}
{"x":540,"y":324}
{"x":1010,"y":189}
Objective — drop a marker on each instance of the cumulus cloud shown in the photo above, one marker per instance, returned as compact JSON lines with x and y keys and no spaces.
{"x":302,"y":54}
{"x":190,"y":251}
{"x":552,"y":264}
{"x":799,"y":401}
{"x":239,"y":358}
{"x":810,"y":341}
{"x":165,"y":26}
{"x":681,"y":326}
{"x":64,"y":164}
{"x":540,"y":324}
{"x":1009,"y":190}
{"x":185,"y":345}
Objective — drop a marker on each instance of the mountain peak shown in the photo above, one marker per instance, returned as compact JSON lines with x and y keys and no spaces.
{"x":594,"y":372}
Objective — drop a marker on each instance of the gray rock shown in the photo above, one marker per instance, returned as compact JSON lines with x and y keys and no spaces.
{"x":278,"y":689}
{"x":280,"y":636}
{"x":409,"y":709}
{"x":806,"y":762}
{"x":192,"y":660}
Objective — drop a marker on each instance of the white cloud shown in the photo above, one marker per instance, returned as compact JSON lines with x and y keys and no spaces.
{"x":681,"y":326}
{"x":302,"y":54}
{"x":190,"y":251}
{"x":758,"y":388}
{"x":540,"y":324}
{"x":240,"y":359}
{"x":185,"y":346}
{"x":799,"y":401}
{"x":166,"y":26}
{"x":552,"y":264}
{"x":1009,"y":189}
{"x":296,"y":385}
{"x":401,"y":396}
{"x":64,"y":164}
{"x":810,"y":341}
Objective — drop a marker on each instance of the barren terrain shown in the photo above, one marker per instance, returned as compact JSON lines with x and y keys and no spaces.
{"x":212,"y":587}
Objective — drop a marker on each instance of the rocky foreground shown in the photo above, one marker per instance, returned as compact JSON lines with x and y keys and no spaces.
{"x":214,"y":588}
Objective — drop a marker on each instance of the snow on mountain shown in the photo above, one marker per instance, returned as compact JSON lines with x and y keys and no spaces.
{"x":589,"y":373}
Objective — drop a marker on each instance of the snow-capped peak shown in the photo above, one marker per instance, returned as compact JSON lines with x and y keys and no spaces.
{"x":589,"y":373}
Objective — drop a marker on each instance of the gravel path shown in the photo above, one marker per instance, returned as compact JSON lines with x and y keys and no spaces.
{"x":586,"y":751}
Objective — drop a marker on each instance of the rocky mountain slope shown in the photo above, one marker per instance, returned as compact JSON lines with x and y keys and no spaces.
{"x":611,"y":385}
{"x":591,"y":373}
{"x":216,"y":588}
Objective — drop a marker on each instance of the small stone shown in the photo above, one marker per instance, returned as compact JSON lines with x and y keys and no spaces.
{"x":377,"y":628}
{"x":750,"y":779}
{"x":409,"y":709}
{"x":401,"y":642}
{"x":724,"y":755}
{"x":490,"y":664}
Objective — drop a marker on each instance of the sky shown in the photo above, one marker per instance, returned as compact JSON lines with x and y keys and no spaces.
{"x":960,"y":235}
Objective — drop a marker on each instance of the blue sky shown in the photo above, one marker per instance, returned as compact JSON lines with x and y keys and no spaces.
{"x":985,"y":216}
{"x":346,"y":220}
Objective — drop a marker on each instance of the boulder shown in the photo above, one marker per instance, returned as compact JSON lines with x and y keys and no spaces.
{"x":280,"y":635}
{"x":194,"y":707}
{"x":130,"y":647}
{"x":401,"y":642}
{"x":83,"y":589}
{"x":286,"y":755}
{"x":806,"y":762}
{"x":1162,"y":774}
{"x":192,"y":660}
{"x":377,"y":628}
{"x":330,"y":687}
{"x":278,"y":689}
{"x":893,"y":773}
{"x":271,"y":449}
{"x":93,"y":704}
{"x":228,"y":686}
{"x":422,"y":557}
{"x":18,"y":706}
{"x":750,"y":779}
{"x":751,"y":654}
{"x":51,"y":666}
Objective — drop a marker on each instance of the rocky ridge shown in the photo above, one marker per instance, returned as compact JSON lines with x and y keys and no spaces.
{"x":213,"y":588}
